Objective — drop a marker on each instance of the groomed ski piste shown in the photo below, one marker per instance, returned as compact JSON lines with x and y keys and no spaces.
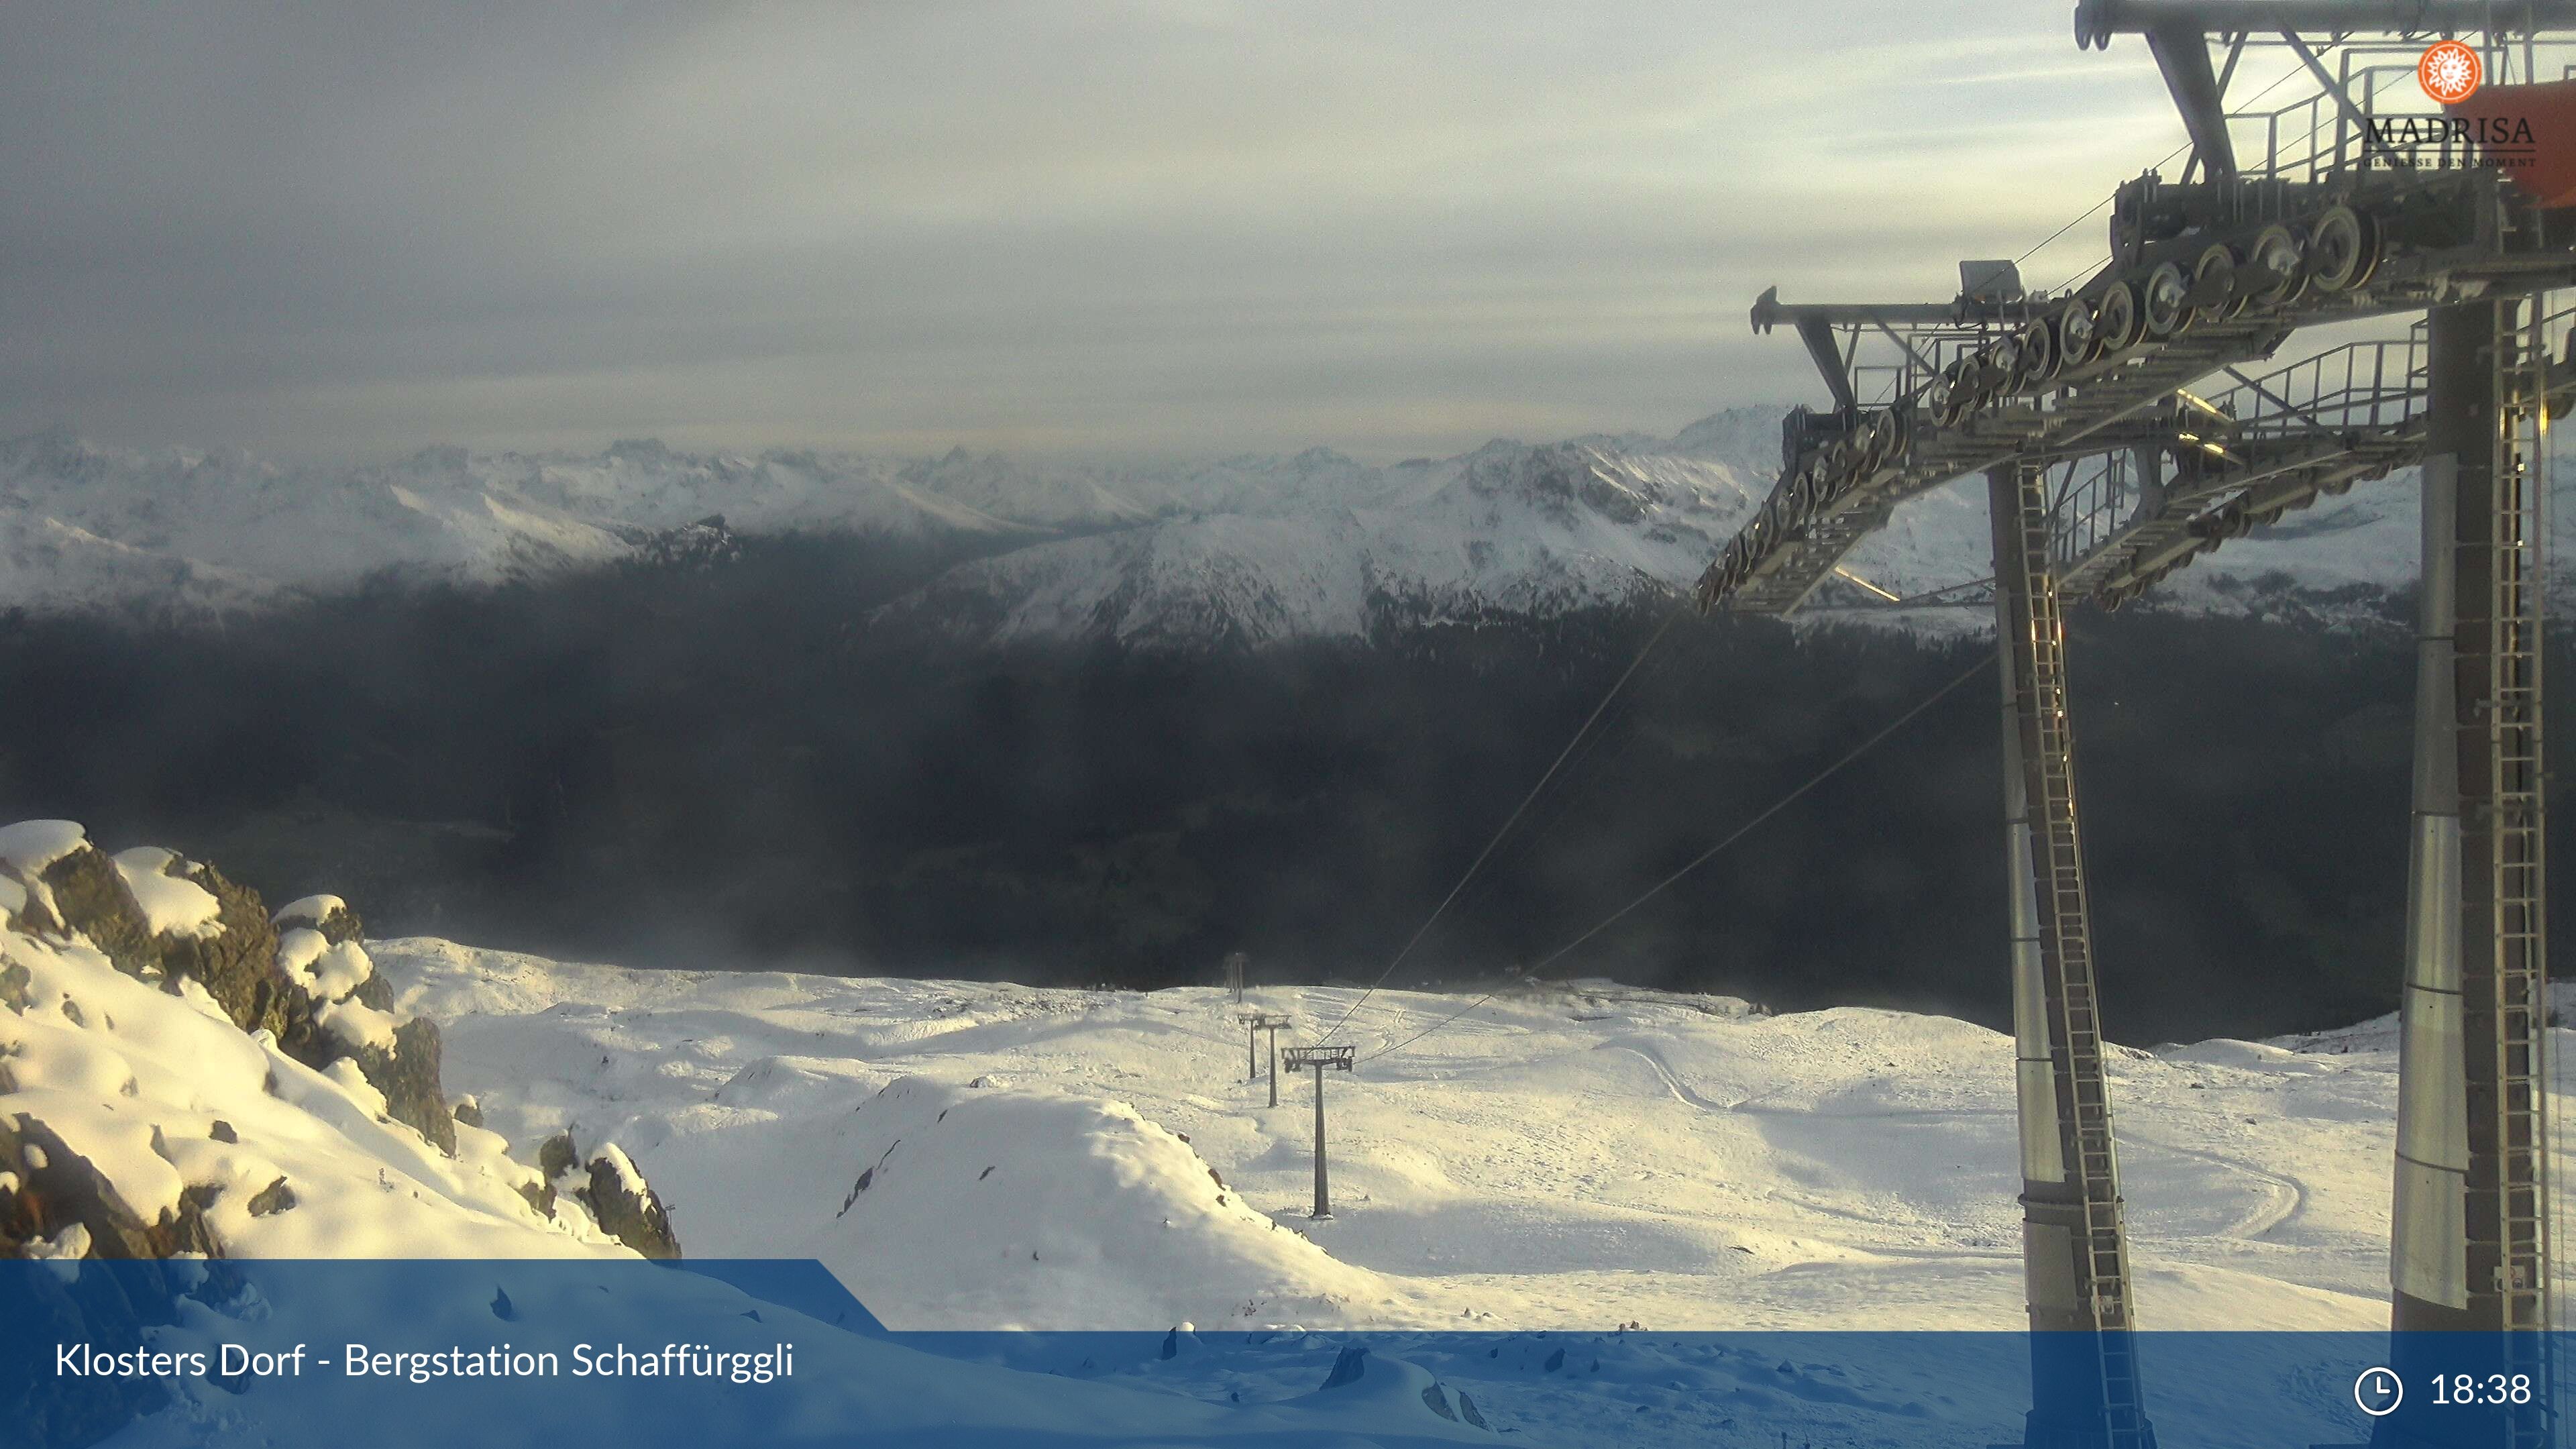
{"x":1572,"y":1156}
{"x":1545,"y":1207}
{"x":1580,"y":1165}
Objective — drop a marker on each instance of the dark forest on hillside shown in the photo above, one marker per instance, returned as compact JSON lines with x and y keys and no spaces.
{"x":729,"y":767}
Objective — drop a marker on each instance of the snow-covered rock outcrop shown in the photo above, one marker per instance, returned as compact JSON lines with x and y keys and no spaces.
{"x":182,"y":1074}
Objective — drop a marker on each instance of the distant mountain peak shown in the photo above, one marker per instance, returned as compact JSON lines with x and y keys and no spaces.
{"x":1245,"y":549}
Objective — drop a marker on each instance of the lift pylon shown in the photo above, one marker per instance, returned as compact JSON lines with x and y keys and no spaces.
{"x":1256,"y":1021}
{"x":2365,"y":196}
{"x":1322,"y":1059}
{"x":2469,"y":1243}
{"x":2084,"y":1376}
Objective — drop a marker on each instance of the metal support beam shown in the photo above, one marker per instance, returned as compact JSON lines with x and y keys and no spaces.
{"x":2096,"y":21}
{"x":2182,"y":54}
{"x":2084,"y":1380}
{"x":1819,"y":337}
{"x":2469,"y":1243}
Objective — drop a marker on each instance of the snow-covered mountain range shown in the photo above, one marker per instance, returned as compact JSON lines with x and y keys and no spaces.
{"x":1247,"y":550}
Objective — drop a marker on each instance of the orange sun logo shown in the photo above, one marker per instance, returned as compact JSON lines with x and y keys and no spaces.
{"x":2450,"y":72}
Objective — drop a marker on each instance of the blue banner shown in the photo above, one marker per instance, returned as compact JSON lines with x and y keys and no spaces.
{"x":284,"y":1355}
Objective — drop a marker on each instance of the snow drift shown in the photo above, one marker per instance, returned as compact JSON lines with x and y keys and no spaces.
{"x":1064,"y":1198}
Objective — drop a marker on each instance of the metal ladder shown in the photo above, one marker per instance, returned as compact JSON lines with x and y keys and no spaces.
{"x":2066,"y":954}
{"x":2511,"y":838}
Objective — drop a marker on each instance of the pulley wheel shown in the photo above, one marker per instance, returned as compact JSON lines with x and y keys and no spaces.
{"x":1877,"y":443}
{"x":1950,"y":392}
{"x":1997,"y":366}
{"x":2160,"y":305}
{"x":2275,"y":250}
{"x":2117,"y":320}
{"x":2342,"y":250}
{"x":2213,"y":282}
{"x":2078,"y":341}
{"x":2039,"y":356}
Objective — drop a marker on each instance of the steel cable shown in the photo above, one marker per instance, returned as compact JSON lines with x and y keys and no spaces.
{"x":1620,"y":684}
{"x":1705,"y":856}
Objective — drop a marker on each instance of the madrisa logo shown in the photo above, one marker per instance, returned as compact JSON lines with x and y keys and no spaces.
{"x":2504,"y":142}
{"x":2449,"y":72}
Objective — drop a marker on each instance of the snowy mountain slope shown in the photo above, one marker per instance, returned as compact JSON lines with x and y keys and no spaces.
{"x":1076,"y":1193}
{"x":1574,"y":1159}
{"x":1246,"y":550}
{"x":1516,"y":529}
{"x":201,"y":534}
{"x":1508,"y":528}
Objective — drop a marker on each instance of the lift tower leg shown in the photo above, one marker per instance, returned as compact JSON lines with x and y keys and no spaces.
{"x":2084,"y":1379}
{"x":2469,"y":1241}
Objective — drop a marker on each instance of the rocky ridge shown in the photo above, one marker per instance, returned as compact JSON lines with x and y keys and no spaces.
{"x":184,"y":1072}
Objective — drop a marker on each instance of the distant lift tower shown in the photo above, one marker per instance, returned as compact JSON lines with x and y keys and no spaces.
{"x":1236,"y":965}
{"x":1322,"y":1059}
{"x":1260,"y":1021}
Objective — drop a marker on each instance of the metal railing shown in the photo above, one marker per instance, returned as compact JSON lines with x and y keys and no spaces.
{"x":2314,"y":138}
{"x":2091,"y":499}
{"x":2360,"y":386}
{"x":2366,"y":398}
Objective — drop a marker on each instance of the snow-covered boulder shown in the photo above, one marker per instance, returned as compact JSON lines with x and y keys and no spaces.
{"x":611,"y":1191}
{"x":178,"y":1077}
{"x":327,"y":914}
{"x":164,"y":919}
{"x":626,"y":1206}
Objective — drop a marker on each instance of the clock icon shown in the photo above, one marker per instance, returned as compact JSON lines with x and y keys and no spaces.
{"x":2378,"y":1391}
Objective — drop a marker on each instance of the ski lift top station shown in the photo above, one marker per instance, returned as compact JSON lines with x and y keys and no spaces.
{"x":2121,"y":437}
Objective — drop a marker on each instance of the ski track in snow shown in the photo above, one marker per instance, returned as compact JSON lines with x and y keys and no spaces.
{"x":1571,"y":1159}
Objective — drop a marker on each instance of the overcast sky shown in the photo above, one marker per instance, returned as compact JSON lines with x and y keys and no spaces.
{"x":348,"y":230}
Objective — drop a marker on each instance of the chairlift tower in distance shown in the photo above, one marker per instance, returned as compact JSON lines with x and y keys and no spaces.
{"x":1259,"y":1021}
{"x":1237,"y":967}
{"x":1322,"y":1059}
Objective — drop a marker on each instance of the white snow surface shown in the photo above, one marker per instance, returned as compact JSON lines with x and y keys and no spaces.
{"x":847,"y":1389}
{"x":31,"y":845}
{"x":308,"y":910}
{"x":171,"y":905}
{"x":1569,"y":1160}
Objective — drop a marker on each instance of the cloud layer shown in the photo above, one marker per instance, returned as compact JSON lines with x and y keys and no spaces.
{"x":1128,"y":226}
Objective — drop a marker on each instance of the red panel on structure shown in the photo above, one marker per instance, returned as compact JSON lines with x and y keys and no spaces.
{"x":2546,"y":167}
